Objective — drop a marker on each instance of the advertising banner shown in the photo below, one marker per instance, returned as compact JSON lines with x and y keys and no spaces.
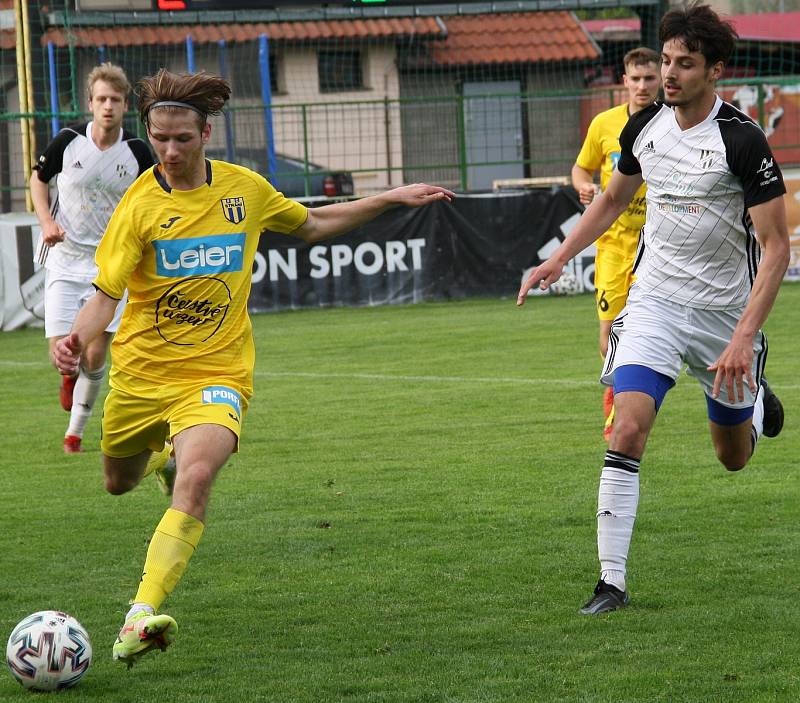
{"x":792,"y":200}
{"x":21,"y":280}
{"x":479,"y":245}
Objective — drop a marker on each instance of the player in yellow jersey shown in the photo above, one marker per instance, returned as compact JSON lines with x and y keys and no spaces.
{"x":616,"y":249}
{"x":182,"y":241}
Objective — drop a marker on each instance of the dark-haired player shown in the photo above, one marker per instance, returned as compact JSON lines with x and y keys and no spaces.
{"x":704,"y":283}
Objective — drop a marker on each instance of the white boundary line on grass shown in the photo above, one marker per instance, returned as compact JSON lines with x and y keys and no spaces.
{"x":380,"y":376}
{"x":517,"y":380}
{"x":428,"y":379}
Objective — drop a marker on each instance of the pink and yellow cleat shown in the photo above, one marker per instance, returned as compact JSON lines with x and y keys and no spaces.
{"x":142,"y":633}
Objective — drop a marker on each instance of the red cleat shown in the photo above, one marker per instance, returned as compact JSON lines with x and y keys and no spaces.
{"x":72,"y":444}
{"x":65,"y":392}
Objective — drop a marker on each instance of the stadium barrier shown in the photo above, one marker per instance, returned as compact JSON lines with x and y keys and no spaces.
{"x":482,"y":244}
{"x":479,"y":245}
{"x":21,"y":280}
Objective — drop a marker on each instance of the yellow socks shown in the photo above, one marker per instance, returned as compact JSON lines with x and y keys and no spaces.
{"x":171,"y":547}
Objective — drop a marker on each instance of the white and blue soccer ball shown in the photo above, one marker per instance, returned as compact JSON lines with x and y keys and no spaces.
{"x":567,"y":284}
{"x":48,"y":651}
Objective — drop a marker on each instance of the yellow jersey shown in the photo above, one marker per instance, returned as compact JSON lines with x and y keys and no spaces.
{"x":601,"y":150}
{"x":186,"y":258}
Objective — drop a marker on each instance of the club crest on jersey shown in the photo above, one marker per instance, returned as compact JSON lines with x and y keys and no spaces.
{"x":222,"y":394}
{"x":233,"y":209}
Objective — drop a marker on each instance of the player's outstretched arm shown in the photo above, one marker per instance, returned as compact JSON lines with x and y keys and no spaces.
{"x":734,"y":366}
{"x":91,"y":321}
{"x":330,"y":220}
{"x":599,"y":216}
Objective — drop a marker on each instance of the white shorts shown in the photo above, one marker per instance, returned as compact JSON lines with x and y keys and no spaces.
{"x":663,"y":336}
{"x":63,"y":298}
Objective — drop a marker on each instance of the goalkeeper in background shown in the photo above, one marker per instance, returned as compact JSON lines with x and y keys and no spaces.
{"x":616,"y":249}
{"x":183,"y":241}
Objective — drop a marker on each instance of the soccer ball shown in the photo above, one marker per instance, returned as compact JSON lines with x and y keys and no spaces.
{"x":568,"y":284}
{"x":48,"y":650}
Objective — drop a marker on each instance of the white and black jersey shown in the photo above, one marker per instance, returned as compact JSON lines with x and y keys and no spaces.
{"x":89,"y":184}
{"x":698,"y":246}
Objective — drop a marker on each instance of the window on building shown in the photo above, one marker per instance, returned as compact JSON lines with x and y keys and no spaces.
{"x":340,"y":70}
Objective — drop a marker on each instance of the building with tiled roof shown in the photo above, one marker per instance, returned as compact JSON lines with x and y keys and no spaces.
{"x":337,"y":87}
{"x":390,"y":99}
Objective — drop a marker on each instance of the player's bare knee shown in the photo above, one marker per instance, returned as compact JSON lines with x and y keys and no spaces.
{"x":117,"y":478}
{"x":628,"y":436}
{"x":116,"y":485}
{"x":732,"y":461}
{"x":732,"y":458}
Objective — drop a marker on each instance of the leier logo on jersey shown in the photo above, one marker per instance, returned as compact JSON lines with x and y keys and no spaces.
{"x":233,"y":209}
{"x":197,"y":256}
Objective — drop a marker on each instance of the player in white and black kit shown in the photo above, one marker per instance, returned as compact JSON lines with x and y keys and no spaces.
{"x":93,"y":164}
{"x":704,"y":283}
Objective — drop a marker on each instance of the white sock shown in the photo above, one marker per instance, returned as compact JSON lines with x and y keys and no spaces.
{"x":617,"y":501}
{"x":87,"y":388}
{"x":758,"y":415}
{"x":137,"y":608}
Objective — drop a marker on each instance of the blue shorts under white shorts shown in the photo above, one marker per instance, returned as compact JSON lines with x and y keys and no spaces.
{"x":664,"y":336}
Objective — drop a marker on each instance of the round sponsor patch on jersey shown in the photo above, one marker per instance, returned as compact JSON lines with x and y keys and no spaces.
{"x":193,"y":310}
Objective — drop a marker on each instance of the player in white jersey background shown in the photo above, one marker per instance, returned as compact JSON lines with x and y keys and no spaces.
{"x":704,"y":283}
{"x":91,"y":165}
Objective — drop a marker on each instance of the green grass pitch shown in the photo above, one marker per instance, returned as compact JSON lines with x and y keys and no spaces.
{"x":411,"y":518}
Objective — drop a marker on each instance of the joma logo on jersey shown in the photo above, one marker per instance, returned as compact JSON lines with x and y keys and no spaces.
{"x":222,"y":394}
{"x":233,"y":209}
{"x":216,"y":253}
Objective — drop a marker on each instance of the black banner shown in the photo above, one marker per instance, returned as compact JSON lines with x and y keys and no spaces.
{"x":479,"y":245}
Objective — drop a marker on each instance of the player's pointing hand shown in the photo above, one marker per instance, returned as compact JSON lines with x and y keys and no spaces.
{"x":543,"y":275}
{"x":419,"y":194}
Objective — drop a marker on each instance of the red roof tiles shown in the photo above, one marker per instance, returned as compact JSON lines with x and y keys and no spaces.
{"x":518,"y":37}
{"x":514,"y":37}
{"x":276,"y":31}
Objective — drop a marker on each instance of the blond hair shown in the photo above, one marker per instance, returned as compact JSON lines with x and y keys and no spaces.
{"x":640,"y":56}
{"x":111,"y":74}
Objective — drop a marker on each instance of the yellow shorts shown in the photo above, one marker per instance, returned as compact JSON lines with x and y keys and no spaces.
{"x":613,"y":277}
{"x":138,"y":414}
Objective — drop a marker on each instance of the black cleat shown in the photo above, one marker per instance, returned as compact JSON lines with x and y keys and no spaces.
{"x":773,"y":411}
{"x":605,"y":599}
